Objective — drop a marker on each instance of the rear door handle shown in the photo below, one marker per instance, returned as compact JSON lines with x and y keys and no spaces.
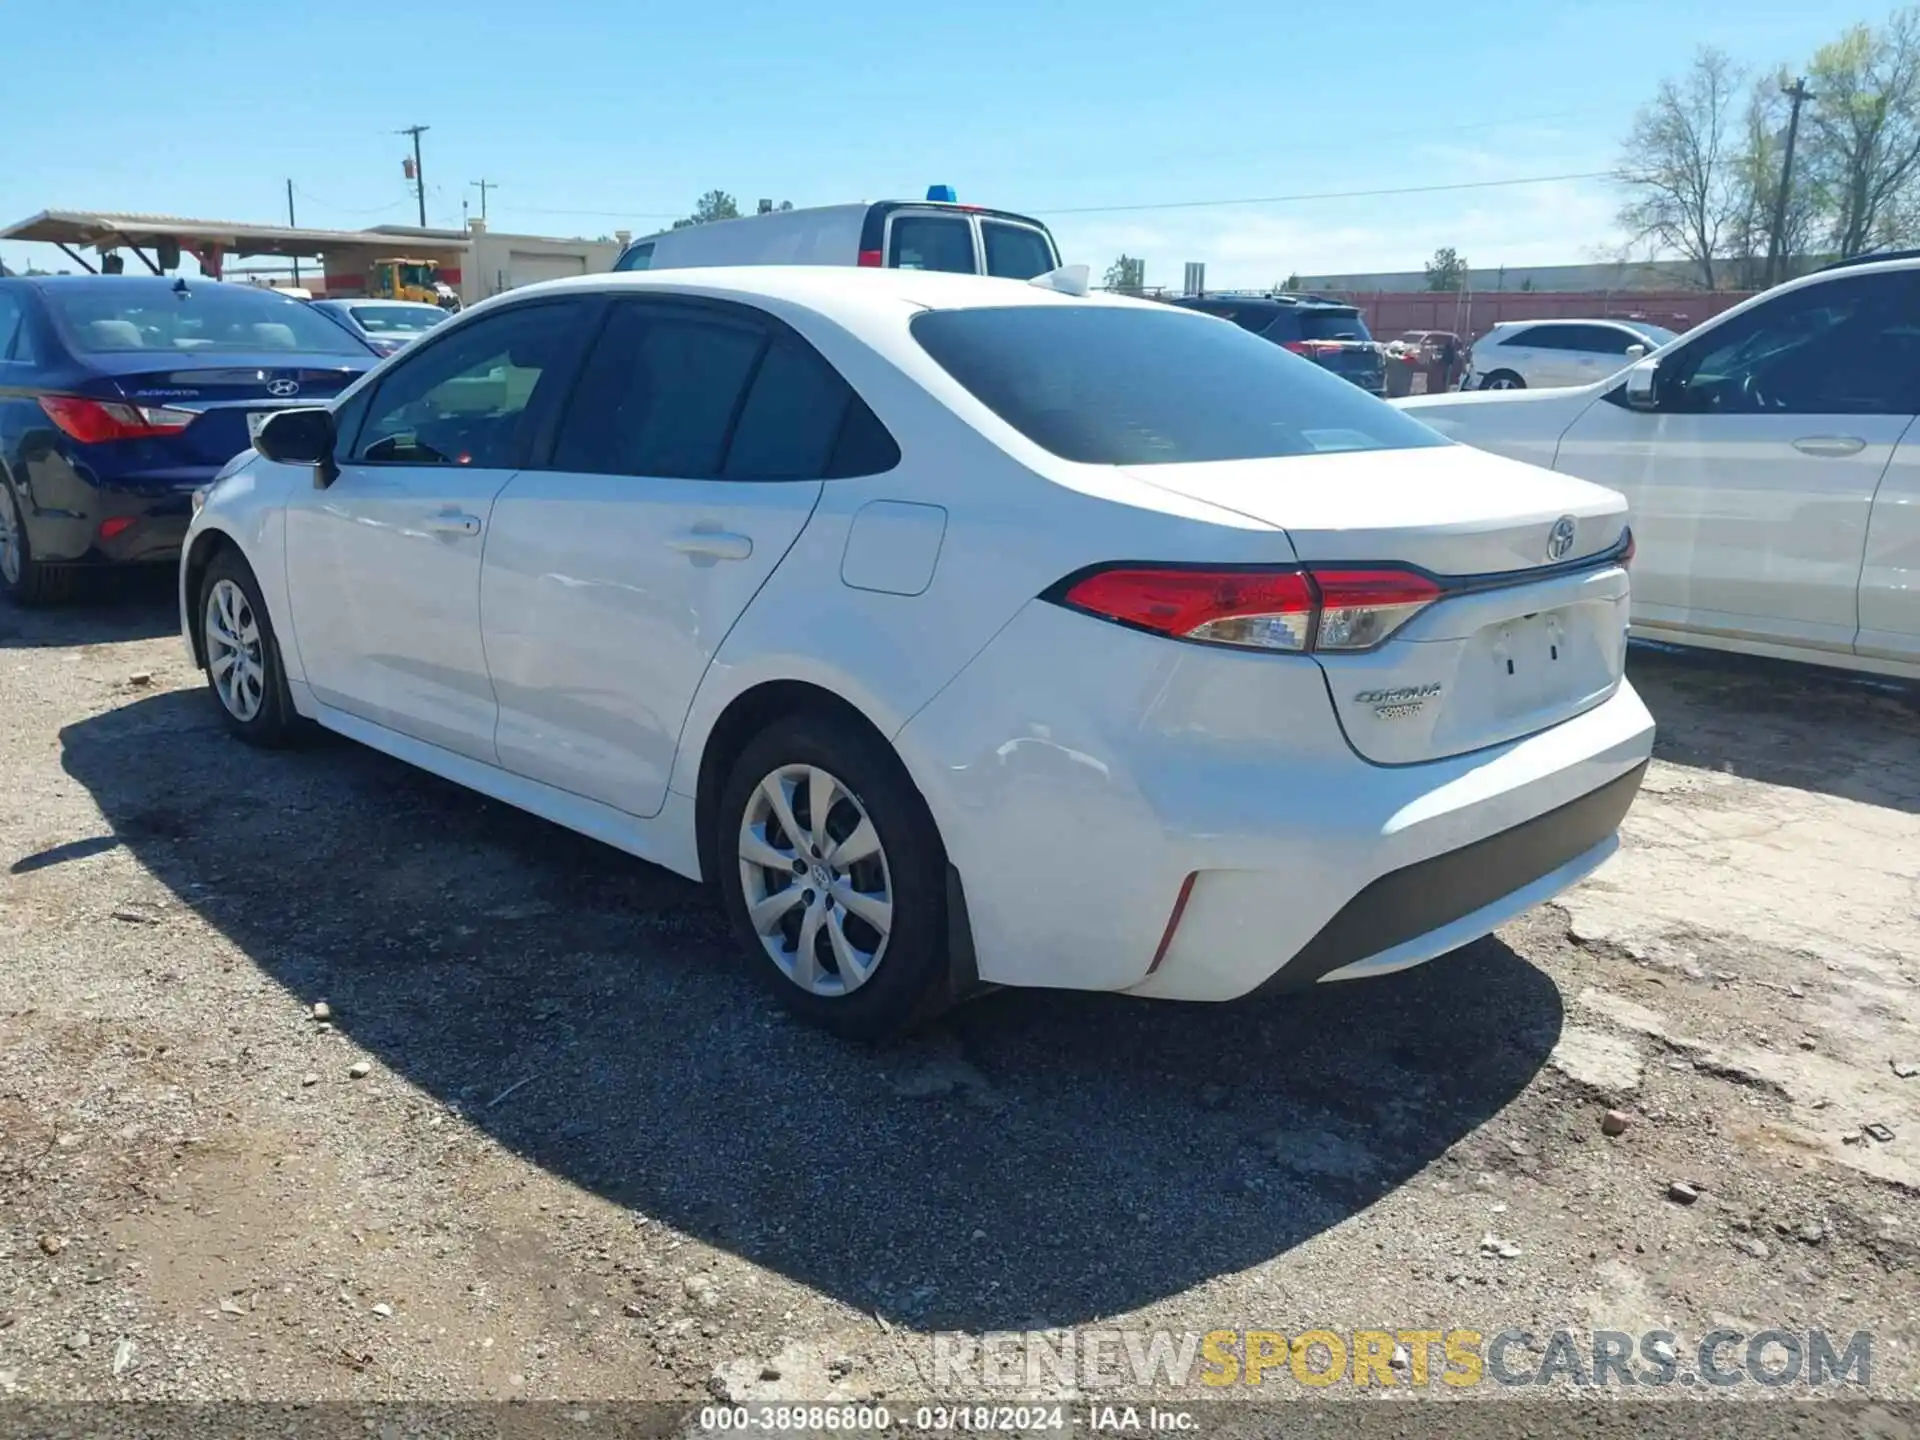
{"x":1832,"y":447}
{"x":452,"y":522}
{"x":712,"y":545}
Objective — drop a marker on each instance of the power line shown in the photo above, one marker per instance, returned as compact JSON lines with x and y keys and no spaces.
{"x":1320,"y":195}
{"x":348,"y":209}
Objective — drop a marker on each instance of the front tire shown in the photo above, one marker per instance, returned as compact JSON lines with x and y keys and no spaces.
{"x":834,"y":877}
{"x":244,"y":669}
{"x":1503,"y":380}
{"x":23,"y":579}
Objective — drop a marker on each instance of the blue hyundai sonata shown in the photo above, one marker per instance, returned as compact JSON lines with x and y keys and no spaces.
{"x":120,"y":395}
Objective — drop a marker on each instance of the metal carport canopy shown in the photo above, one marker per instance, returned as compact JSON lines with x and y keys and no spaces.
{"x":106,"y":230}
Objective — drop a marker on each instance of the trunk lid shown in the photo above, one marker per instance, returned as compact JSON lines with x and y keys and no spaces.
{"x":1521,"y":637}
{"x":224,"y":395}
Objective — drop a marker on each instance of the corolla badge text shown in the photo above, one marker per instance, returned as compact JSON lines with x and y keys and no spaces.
{"x":1399,"y":702}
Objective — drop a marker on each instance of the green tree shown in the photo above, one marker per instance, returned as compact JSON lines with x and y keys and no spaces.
{"x":1862,"y":131}
{"x":1447,"y":270}
{"x":1128,"y":274}
{"x":1680,"y":165}
{"x":714,"y":205}
{"x":1293,"y":282}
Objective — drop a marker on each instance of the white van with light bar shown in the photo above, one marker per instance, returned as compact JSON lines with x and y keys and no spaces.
{"x":937,"y":233}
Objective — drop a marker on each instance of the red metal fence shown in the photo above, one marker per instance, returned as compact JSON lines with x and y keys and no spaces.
{"x":1392,"y":313}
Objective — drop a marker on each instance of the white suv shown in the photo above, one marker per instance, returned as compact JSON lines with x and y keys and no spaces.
{"x":1771,"y":464}
{"x":1518,"y":354}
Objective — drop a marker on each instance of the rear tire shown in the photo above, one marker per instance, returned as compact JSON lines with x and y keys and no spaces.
{"x":244,"y":670}
{"x":845,"y":913}
{"x":23,"y":579}
{"x":1503,"y":380}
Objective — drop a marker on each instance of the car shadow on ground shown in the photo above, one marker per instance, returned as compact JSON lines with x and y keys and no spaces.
{"x":106,"y":608}
{"x":1833,"y":731}
{"x":1041,"y":1159}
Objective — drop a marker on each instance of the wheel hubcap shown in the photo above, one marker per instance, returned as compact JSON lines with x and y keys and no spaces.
{"x":235,"y":658}
{"x":9,"y":540}
{"x":816,"y":881}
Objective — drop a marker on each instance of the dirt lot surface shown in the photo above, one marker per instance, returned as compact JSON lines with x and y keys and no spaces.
{"x":555,"y":1141}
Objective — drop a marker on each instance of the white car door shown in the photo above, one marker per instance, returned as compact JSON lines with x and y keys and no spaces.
{"x":383,"y":566}
{"x":1890,"y":576}
{"x":688,"y":461}
{"x":1753,"y":477}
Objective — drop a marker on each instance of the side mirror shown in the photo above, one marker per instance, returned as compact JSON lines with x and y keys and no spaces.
{"x":1643,"y":389}
{"x":1636,"y":352}
{"x":301,"y":437}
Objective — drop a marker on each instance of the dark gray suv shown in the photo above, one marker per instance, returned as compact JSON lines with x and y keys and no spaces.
{"x":1327,"y":332}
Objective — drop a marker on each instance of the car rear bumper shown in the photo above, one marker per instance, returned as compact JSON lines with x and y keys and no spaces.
{"x":134,"y":519}
{"x":1186,"y":822}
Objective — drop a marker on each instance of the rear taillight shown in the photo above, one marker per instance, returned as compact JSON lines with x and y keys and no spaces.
{"x":869,"y":258}
{"x":1361,"y":608}
{"x":93,"y":422}
{"x":1291,"y":609}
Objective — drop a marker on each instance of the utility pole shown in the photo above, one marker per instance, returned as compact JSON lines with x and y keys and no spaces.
{"x":1798,"y":94}
{"x":483,"y":186}
{"x":419,"y":175}
{"x":293,"y":224}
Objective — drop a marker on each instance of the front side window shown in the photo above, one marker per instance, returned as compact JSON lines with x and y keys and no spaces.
{"x":638,"y":258}
{"x":465,"y":399}
{"x":1843,"y":347}
{"x":1152,"y":385}
{"x":931,"y":242}
{"x":202,"y":318}
{"x":1603,"y":339}
{"x":1015,"y":252}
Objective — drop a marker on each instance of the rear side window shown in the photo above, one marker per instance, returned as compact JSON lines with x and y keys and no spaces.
{"x":695,"y":395}
{"x":639,"y":257}
{"x":1120,"y":385}
{"x":791,"y":419}
{"x":1333,"y":325}
{"x":658,"y":394}
{"x":931,"y":242}
{"x":1015,"y":252}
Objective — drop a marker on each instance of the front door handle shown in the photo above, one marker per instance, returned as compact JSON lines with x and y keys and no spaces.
{"x":1830,"y":447}
{"x":712,"y":545}
{"x":452,"y":522}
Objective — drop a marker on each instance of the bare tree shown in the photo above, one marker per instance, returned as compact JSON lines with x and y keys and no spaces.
{"x":1680,"y":165}
{"x":1864,"y":128}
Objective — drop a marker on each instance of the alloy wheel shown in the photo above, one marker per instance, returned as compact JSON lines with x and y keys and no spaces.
{"x":815,"y":878}
{"x":235,"y":657}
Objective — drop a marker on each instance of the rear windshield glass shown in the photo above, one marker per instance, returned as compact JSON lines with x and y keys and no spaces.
{"x":1333,"y":325}
{"x":1120,"y":385}
{"x":1015,"y":252}
{"x":210,"y":318}
{"x":398,"y":319}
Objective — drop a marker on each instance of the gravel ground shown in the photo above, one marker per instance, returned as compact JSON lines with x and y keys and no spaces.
{"x":548,"y":1138}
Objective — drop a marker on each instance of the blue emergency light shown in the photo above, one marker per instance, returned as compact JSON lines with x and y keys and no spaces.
{"x":942,"y":193}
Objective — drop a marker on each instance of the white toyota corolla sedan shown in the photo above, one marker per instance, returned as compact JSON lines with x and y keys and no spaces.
{"x":965,"y":631}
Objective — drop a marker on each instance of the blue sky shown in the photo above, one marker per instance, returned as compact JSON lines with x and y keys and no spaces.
{"x":601,"y":114}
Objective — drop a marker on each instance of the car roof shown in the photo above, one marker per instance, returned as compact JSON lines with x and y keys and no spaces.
{"x":840,"y":291}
